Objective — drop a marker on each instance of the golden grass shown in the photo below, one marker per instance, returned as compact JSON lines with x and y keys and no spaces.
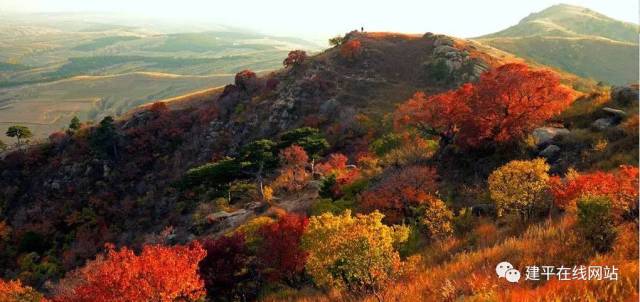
{"x":469,"y":275}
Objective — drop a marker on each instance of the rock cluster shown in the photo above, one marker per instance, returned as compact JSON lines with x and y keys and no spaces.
{"x":614,"y":117}
{"x":451,"y":63}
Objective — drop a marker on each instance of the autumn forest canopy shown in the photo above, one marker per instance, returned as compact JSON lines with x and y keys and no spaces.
{"x":388,"y":167}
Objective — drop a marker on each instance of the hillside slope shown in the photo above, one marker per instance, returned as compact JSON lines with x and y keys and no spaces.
{"x":574,"y":39}
{"x":183,"y":169}
{"x":134,"y":193}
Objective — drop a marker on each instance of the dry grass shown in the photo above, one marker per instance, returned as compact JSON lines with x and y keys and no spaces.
{"x":470,"y":275}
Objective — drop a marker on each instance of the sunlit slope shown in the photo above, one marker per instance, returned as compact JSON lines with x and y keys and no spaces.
{"x":575,"y":39}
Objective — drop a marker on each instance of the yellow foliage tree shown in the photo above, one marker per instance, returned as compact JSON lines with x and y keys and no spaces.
{"x":250,"y":229}
{"x":519,"y":186}
{"x":437,"y":219}
{"x":356,"y":254}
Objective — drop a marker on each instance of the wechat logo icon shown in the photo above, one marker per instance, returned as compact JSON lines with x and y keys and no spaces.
{"x":505,"y":270}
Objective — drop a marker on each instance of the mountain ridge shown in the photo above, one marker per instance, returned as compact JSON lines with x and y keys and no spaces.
{"x":576,"y":39}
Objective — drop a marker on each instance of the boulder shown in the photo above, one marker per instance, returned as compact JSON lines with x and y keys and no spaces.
{"x":544,"y":135}
{"x":550,"y":151}
{"x":603,"y":123}
{"x":625,"y":94}
{"x":615,"y":112}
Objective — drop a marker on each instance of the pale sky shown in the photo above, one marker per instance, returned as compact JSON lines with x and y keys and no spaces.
{"x":321,"y":18}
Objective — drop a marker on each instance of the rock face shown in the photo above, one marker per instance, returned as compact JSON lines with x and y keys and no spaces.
{"x":451,"y":64}
{"x":544,"y":135}
{"x":550,"y":151}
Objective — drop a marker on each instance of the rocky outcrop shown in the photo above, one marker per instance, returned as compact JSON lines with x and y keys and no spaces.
{"x":615,"y":116}
{"x":545,"y":135}
{"x":451,"y":64}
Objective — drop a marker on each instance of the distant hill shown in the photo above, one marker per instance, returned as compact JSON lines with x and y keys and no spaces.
{"x":576,"y":39}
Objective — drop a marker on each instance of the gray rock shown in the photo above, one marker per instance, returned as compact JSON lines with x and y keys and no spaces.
{"x":238,"y":217}
{"x":615,"y":112}
{"x":603,"y":123}
{"x":544,"y":135}
{"x":444,"y":50}
{"x":625,"y":94}
{"x":550,"y":151}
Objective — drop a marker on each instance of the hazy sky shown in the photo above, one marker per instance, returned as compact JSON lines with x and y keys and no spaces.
{"x":466,"y":18}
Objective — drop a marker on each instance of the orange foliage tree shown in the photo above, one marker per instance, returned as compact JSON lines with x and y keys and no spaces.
{"x":295,"y":57}
{"x":14,"y":291}
{"x":504,"y":105}
{"x":351,"y":49}
{"x":620,"y":186}
{"x":293,"y":174}
{"x":401,"y":192}
{"x":158,"y":273}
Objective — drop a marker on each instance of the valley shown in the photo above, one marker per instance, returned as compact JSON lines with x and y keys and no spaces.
{"x":66,"y":66}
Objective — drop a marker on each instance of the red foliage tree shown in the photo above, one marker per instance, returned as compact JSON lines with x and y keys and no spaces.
{"x":337,"y":166}
{"x":621,"y":186}
{"x":280,"y":254}
{"x":159,"y":273}
{"x":295,"y":58}
{"x":504,"y":105}
{"x":351,"y":49}
{"x":227,"y":265}
{"x":401,"y":190}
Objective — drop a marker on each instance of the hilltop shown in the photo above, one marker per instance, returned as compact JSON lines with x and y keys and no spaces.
{"x":574,"y":39}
